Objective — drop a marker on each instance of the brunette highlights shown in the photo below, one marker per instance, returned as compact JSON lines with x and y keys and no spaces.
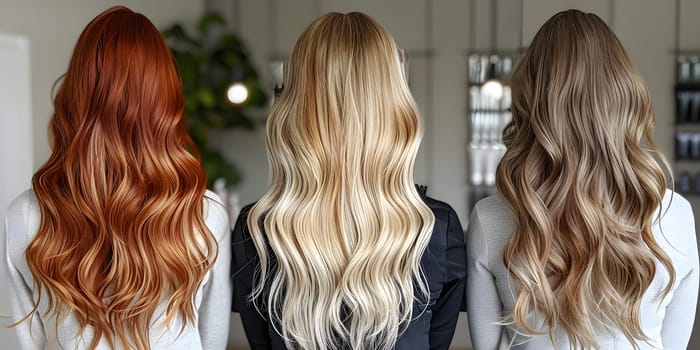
{"x":121,"y":196}
{"x":582,"y":188}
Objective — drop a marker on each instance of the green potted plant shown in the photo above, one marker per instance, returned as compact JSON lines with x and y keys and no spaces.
{"x":210,"y":62}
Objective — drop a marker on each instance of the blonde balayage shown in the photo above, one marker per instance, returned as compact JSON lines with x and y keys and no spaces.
{"x":583,"y":189}
{"x":341,"y":230}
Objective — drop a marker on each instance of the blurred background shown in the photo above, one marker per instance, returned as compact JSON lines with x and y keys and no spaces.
{"x":459,"y":55}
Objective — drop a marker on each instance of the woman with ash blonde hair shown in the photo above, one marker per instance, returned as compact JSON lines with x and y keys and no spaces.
{"x":584,"y":247}
{"x":117,"y":244}
{"x":342,"y":251}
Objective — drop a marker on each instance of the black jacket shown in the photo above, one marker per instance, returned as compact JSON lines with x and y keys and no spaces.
{"x":444,"y":265}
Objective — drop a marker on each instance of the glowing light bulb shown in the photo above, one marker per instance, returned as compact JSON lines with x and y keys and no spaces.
{"x":237,"y":93}
{"x":492,"y":88}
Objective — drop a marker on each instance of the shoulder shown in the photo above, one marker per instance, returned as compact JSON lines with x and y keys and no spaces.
{"x":448,"y":232}
{"x":675,"y":205}
{"x":675,"y":212}
{"x":440,"y":209}
{"x":215,"y":215}
{"x":242,"y":219}
{"x":492,"y":216}
{"x":491,"y":225}
{"x":493,"y":209}
{"x":245,"y":210}
{"x":23,"y":210}
{"x":25,"y":204}
{"x":446,"y":219}
{"x":243,"y":248}
{"x":241,"y":233}
{"x":674,"y":223}
{"x":22,"y":221}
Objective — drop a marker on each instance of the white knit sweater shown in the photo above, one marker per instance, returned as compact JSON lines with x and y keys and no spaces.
{"x":667,"y":322}
{"x":212,"y":301}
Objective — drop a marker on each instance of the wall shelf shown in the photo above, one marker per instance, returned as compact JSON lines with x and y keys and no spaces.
{"x":686,"y":157}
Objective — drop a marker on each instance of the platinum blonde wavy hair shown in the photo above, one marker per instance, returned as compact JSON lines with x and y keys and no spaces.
{"x":580,"y":184}
{"x":341,"y":230}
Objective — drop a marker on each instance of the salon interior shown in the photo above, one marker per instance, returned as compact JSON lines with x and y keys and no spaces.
{"x":459,"y":55}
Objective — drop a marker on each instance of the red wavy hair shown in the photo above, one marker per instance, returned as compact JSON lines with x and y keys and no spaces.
{"x":122,"y":227}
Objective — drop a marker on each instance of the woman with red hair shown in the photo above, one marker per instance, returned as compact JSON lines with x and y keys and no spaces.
{"x":117,"y":244}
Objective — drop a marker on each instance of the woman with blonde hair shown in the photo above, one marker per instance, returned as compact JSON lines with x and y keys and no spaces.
{"x":342,"y":251}
{"x":117,"y":245}
{"x":583,"y":247}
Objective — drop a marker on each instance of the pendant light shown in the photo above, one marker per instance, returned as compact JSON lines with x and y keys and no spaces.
{"x":237,"y":92}
{"x":492,"y":86}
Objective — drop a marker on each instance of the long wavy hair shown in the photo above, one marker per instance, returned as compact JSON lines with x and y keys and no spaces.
{"x":122,"y":226}
{"x":582,"y":188}
{"x":341,"y":230}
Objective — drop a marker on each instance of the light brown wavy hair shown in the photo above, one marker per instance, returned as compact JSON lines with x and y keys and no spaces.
{"x":341,"y":230}
{"x":582,"y":187}
{"x":121,"y":197}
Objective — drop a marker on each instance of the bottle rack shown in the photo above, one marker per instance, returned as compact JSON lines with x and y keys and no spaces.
{"x":687,"y":124}
{"x":489,"y":112}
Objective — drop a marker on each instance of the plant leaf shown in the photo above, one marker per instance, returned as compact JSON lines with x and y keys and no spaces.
{"x":208,"y":20}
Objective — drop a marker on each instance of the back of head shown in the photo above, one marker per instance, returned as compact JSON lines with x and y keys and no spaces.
{"x":581,"y":187}
{"x":342,"y":216}
{"x":120,"y":196}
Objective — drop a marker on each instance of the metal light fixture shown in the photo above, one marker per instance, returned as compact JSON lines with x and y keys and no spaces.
{"x":492,"y":87}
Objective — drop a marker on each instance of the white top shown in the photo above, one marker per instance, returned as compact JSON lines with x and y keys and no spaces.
{"x":668,"y":322}
{"x":212,"y":301}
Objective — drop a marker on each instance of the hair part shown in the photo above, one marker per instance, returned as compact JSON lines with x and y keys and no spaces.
{"x":341,"y":230}
{"x":121,"y":197}
{"x":581,"y":186}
